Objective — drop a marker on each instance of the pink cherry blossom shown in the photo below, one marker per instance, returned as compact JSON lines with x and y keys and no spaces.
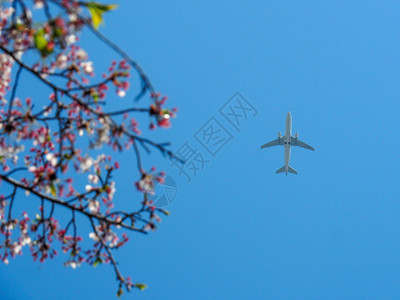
{"x":57,"y":147}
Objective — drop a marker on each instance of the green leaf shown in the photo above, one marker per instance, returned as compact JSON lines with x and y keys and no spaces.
{"x":95,"y":96}
{"x":97,"y":261}
{"x":140,"y":286}
{"x":96,"y":11}
{"x":40,"y":42}
{"x":165,"y":212}
{"x":120,"y":292}
{"x":53,"y":190}
{"x":57,"y":32}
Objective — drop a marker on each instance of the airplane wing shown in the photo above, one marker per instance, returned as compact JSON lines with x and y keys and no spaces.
{"x":278,"y":141}
{"x":297,"y":142}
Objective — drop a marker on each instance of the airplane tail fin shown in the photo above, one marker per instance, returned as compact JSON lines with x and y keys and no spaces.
{"x":281,"y":170}
{"x":291,"y":170}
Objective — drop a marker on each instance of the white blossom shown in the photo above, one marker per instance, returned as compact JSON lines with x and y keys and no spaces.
{"x":102,"y":136}
{"x":26,"y":241}
{"x":32,"y":169}
{"x":93,"y":236}
{"x":38,"y":4}
{"x":51,"y":158}
{"x":72,"y":264}
{"x":4,"y":15}
{"x":61,"y":61}
{"x":16,"y":248}
{"x":6,"y":63}
{"x":87,"y":67}
{"x":112,"y":238}
{"x":10,"y":226}
{"x":121,"y":93}
{"x":94,"y":206}
{"x":71,"y":39}
{"x":81,"y":54}
{"x":11,"y":151}
{"x":146,"y":184}
{"x":112,"y":190}
{"x":86,"y":163}
{"x":93,"y":178}
{"x":47,"y":188}
{"x":72,"y":17}
{"x":28,"y":13}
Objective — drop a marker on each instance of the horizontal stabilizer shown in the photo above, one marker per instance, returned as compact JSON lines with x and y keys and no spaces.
{"x":281,"y":170}
{"x":291,"y":170}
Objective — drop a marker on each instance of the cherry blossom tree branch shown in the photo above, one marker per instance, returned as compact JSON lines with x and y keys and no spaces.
{"x":41,"y":150}
{"x":67,"y":204}
{"x":120,"y":278}
{"x":160,"y":147}
{"x":146,"y":84}
{"x":14,"y":89}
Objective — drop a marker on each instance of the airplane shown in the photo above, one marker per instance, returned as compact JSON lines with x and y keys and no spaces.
{"x":287,"y":140}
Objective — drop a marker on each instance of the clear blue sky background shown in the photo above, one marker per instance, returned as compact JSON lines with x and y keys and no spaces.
{"x":238,"y":230}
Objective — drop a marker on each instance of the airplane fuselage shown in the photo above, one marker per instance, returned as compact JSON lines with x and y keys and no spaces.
{"x":288,"y":134}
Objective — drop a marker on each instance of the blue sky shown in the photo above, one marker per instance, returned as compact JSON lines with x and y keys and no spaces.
{"x":238,"y":230}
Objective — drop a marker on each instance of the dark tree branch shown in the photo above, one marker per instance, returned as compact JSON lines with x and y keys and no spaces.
{"x":53,"y":132}
{"x":60,"y":202}
{"x":14,"y":91}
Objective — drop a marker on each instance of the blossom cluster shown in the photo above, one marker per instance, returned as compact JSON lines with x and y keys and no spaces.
{"x":56,"y":147}
{"x":161,"y":114}
{"x":6,"y":63}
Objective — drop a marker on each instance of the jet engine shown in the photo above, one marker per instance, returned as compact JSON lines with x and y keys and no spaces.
{"x":296,"y":135}
{"x":279,"y":134}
